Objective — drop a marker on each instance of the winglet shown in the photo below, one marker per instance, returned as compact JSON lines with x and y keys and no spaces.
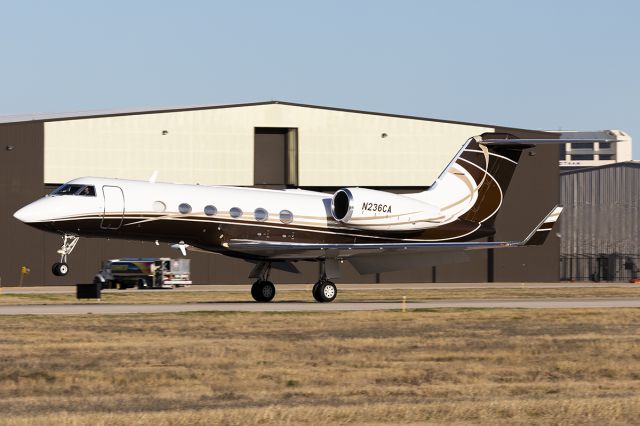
{"x":540,"y":233}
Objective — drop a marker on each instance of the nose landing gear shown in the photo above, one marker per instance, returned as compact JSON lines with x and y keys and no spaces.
{"x":60,"y":269}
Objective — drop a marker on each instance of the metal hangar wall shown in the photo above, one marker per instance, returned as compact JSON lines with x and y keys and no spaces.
{"x":600,"y":225}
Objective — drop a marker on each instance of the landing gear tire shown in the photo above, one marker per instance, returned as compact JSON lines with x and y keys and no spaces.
{"x":314,"y":291}
{"x":263,"y":291}
{"x":60,"y":269}
{"x":325,"y":291}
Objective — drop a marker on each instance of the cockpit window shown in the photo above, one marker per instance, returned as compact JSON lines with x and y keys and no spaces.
{"x":82,"y":190}
{"x":87,"y":191}
{"x":67,"y":189}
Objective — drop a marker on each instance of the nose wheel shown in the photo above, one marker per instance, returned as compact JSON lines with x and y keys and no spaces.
{"x":60,"y":269}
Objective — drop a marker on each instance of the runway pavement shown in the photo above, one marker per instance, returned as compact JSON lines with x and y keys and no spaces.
{"x":97,"y":308}
{"x":342,"y":287}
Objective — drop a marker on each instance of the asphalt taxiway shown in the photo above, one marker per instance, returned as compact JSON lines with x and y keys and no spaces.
{"x":341,"y":287}
{"x":97,"y":308}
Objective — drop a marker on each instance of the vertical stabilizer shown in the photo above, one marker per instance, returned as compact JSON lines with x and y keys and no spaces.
{"x":492,"y":167}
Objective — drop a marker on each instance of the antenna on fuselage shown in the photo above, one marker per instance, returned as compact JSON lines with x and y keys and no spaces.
{"x":153,"y":177}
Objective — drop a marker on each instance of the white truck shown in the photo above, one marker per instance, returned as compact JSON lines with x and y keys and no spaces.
{"x":144,"y":273}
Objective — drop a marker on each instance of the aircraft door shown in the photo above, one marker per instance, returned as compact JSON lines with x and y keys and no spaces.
{"x":113,"y":207}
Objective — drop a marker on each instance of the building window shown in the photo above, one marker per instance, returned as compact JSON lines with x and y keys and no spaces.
{"x":184,"y":208}
{"x":235,"y":212}
{"x":261,"y":214}
{"x":582,"y":157}
{"x":286,"y":216}
{"x":581,"y":145}
{"x":605,"y":145}
{"x":606,"y":157}
{"x":210,"y":210}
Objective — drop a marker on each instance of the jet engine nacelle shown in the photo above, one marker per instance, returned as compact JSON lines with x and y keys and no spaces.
{"x":382,"y":211}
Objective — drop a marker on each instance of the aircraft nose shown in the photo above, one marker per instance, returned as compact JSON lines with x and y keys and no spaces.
{"x":26,"y":214}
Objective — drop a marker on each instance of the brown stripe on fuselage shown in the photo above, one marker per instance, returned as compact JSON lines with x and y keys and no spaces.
{"x":213,"y":232}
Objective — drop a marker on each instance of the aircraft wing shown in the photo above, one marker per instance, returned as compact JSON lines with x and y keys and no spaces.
{"x":381,"y":257}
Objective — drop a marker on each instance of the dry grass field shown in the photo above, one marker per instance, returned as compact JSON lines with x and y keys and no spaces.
{"x":440,"y":366}
{"x":284,"y":294}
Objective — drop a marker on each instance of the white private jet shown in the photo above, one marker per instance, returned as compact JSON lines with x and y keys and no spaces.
{"x":375,"y":231}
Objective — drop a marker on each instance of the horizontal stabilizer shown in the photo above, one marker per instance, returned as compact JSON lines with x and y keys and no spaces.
{"x":539,"y":141}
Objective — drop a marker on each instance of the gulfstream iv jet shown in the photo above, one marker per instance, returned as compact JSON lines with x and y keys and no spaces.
{"x":375,"y":231}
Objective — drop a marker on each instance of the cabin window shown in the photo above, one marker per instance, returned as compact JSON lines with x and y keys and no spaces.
{"x":261,"y":214}
{"x":235,"y":212}
{"x":184,"y":208}
{"x":286,"y":216}
{"x":210,"y":210}
{"x":159,"y":206}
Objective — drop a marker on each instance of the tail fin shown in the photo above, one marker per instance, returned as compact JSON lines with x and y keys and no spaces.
{"x":471,"y":189}
{"x":492,"y":166}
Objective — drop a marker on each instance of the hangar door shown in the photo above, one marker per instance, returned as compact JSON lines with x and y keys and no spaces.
{"x":275,"y":157}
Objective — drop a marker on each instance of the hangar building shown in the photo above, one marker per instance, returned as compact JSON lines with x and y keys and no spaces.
{"x":600,"y":224}
{"x":268,"y":144}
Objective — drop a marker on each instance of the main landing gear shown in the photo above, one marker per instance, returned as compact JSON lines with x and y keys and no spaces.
{"x":262,"y":290}
{"x":323,"y":291}
{"x":60,"y":269}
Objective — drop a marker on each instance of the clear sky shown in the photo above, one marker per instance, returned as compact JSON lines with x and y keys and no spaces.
{"x":537,"y":64}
